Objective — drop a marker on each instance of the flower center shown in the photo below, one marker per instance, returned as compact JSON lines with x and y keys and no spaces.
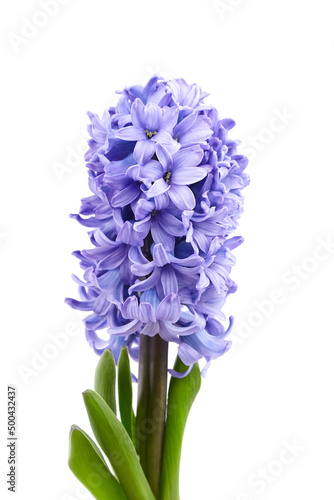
{"x":149,"y":134}
{"x":167,"y":177}
{"x":154,"y":212}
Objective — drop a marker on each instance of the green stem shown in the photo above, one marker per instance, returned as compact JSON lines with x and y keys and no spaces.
{"x":143,"y":396}
{"x":151,"y":416}
{"x":157,"y":411}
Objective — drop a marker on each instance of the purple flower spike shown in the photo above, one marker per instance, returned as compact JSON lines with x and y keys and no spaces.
{"x":166,"y":186}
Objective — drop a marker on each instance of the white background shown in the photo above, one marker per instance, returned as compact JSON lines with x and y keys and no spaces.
{"x":259,"y":60}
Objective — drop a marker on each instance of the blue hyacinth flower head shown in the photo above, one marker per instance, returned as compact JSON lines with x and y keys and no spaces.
{"x":166,"y":185}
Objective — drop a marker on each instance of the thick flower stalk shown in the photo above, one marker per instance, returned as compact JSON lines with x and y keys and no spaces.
{"x":166,"y":197}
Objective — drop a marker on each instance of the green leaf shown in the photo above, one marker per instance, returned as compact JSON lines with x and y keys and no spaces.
{"x":181,"y":395}
{"x":105,"y":379}
{"x":88,"y":465}
{"x":125,"y":392}
{"x":118,"y":447}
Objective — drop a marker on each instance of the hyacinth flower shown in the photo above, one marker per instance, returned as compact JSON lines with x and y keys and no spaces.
{"x":166,"y":185}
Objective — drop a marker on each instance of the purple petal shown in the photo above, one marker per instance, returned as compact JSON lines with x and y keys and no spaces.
{"x":109,"y":280}
{"x":143,"y":208}
{"x":93,"y":322}
{"x":205,"y":369}
{"x":89,"y":222}
{"x":169,"y":119}
{"x":172,"y":147}
{"x":126,"y":196}
{"x":185,"y":176}
{"x":207,"y":345}
{"x":139,"y":269}
{"x":166,"y":335}
{"x":161,"y":236}
{"x":228,"y":123}
{"x":133,"y":171}
{"x":216,"y":328}
{"x":165,"y":99}
{"x":96,"y":342}
{"x":203,"y":281}
{"x":120,"y":165}
{"x":115,"y":344}
{"x":119,"y":149}
{"x":151,"y":297}
{"x":176,"y":374}
{"x":183,"y":127}
{"x":233,"y":181}
{"x":188,"y":354}
{"x":152,"y":171}
{"x":146,"y":313}
{"x":241,"y":160}
{"x":192,"y":96}
{"x":214,"y":278}
{"x":127,"y":329}
{"x":152,"y":117}
{"x":234,"y":242}
{"x":160,"y":256}
{"x":137,"y":114}
{"x":143,"y":226}
{"x":82,"y":306}
{"x":163,"y":137}
{"x":150,"y":282}
{"x":143,"y":152}
{"x":187,"y":157}
{"x":159,"y":187}
{"x":79,"y":281}
{"x":187,"y":275}
{"x":136,"y":256}
{"x":210,"y":228}
{"x":101,"y":306}
{"x":201,"y":240}
{"x":169,"y":281}
{"x":126,"y":275}
{"x":114,"y":259}
{"x":129,"y":236}
{"x":182,"y":197}
{"x":131,"y":134}
{"x":170,"y":224}
{"x":164,"y":156}
{"x":124,"y":120}
{"x":199,"y":132}
{"x":196,"y":325}
{"x":161,"y":201}
{"x":149,"y":88}
{"x":191,"y":260}
{"x":151,"y":329}
{"x":169,"y":308}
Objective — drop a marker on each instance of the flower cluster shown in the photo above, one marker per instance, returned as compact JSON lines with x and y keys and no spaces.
{"x":165,"y":182}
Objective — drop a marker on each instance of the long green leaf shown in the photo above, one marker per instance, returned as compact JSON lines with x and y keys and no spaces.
{"x":125,"y":392}
{"x":105,"y":379}
{"x":88,"y":465}
{"x":181,"y":395}
{"x":117,"y":445}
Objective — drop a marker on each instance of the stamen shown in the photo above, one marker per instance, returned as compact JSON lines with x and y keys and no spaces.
{"x":149,"y":134}
{"x":167,"y":177}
